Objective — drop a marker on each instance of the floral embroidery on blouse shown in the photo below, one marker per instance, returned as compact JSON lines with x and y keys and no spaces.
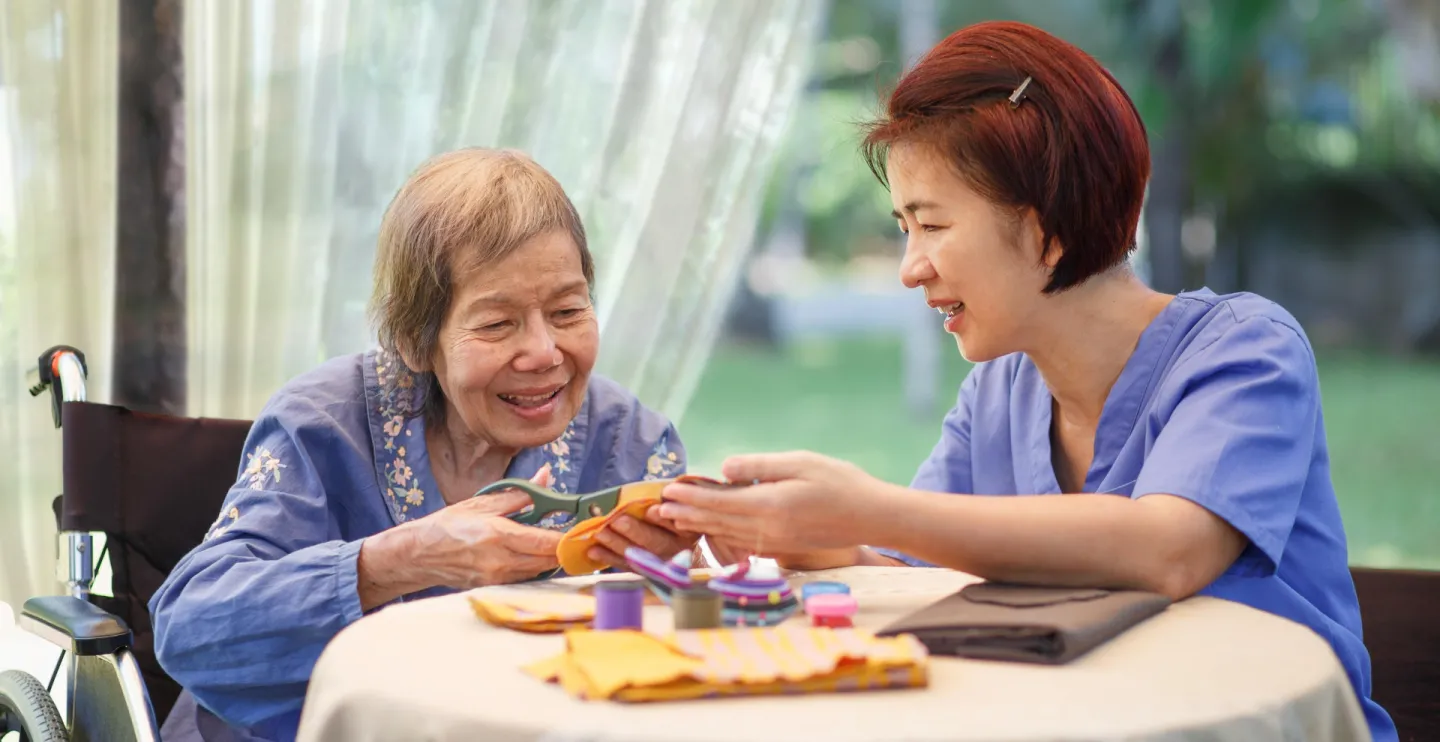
{"x":663,"y":463}
{"x":556,"y":521}
{"x":263,"y":465}
{"x":556,"y":453}
{"x":398,"y":403}
{"x":221,"y":525}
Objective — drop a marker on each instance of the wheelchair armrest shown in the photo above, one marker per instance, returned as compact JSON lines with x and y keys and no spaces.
{"x":71,"y":623}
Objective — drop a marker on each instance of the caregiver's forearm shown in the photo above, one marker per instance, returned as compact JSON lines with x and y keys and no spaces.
{"x":1077,"y":540}
{"x":870,"y":558}
{"x":859,"y":556}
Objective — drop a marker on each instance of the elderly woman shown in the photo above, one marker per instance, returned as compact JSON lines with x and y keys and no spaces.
{"x":1184,"y":432}
{"x":356,"y":486}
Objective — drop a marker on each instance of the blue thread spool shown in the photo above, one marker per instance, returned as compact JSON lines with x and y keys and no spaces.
{"x":619,"y":604}
{"x":822,"y":588}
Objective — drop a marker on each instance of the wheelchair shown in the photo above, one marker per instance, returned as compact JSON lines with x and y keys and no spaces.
{"x":152,"y":484}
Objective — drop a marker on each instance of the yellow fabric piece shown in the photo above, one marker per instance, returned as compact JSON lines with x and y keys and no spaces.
{"x":633,"y":666}
{"x":612,"y":660}
{"x":533,"y":612}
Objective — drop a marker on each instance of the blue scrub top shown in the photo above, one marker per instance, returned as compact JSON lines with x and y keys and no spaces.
{"x":1219,"y":404}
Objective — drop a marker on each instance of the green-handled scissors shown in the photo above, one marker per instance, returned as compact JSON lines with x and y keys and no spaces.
{"x":556,"y":511}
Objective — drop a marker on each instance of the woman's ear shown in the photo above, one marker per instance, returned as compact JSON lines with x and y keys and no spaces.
{"x":411,"y":359}
{"x":1046,"y":255}
{"x":1052,"y":253}
{"x":1031,"y":236}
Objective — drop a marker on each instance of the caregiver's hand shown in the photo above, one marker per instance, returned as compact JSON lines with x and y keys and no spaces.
{"x":468,"y":544}
{"x":655,"y":534}
{"x":807,"y":512}
{"x":727,"y":553}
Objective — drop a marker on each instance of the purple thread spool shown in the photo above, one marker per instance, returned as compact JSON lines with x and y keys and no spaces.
{"x":619,"y":604}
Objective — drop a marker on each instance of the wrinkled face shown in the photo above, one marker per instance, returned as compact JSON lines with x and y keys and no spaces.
{"x":980,"y":267}
{"x":518,"y":344}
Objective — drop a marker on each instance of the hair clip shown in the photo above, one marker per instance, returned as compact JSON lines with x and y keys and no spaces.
{"x":1019,"y":93}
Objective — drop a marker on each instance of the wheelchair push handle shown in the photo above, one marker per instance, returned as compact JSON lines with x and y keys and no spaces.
{"x":63,"y":371}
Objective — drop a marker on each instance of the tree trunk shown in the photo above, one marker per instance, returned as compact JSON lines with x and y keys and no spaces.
{"x":1169,"y":195}
{"x":150,"y":342}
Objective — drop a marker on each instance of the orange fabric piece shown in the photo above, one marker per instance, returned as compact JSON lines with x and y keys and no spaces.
{"x":634,"y":666}
{"x":532,"y":612}
{"x":635,"y":499}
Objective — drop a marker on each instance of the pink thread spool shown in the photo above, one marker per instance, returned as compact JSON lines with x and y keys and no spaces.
{"x":833,"y":610}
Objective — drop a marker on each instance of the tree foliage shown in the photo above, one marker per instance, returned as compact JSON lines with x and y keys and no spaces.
{"x":1267,"y":95}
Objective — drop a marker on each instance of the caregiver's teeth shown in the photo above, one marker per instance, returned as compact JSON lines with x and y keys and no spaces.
{"x":951,"y":309}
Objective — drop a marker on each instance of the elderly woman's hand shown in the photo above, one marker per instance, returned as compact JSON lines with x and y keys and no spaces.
{"x":655,"y":534}
{"x":472,"y":543}
{"x":468,"y":544}
{"x":806,"y":511}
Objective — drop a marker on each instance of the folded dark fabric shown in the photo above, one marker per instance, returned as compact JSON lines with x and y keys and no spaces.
{"x":1024,"y":623}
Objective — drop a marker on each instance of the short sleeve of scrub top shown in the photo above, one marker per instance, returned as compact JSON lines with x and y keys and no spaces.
{"x":1240,"y":441}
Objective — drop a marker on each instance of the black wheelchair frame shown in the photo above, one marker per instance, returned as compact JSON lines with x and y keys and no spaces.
{"x":106,"y":697}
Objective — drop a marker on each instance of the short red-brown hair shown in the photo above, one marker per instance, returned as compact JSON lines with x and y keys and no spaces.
{"x":1074,"y":149}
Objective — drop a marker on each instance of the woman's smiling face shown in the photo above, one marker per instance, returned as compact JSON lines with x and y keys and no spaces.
{"x":977,"y":264}
{"x":518,"y":344}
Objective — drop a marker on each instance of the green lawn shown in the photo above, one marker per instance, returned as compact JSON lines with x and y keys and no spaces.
{"x":844,"y":399}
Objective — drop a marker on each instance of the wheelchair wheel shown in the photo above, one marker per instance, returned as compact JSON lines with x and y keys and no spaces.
{"x":26,"y":707}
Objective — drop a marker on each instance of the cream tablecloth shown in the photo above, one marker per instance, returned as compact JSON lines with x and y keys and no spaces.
{"x":1204,"y":669}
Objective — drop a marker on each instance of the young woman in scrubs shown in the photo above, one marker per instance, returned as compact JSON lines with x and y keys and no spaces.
{"x":1184,"y":431}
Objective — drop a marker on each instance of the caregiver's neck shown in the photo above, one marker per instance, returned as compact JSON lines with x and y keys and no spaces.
{"x":1085,"y":337}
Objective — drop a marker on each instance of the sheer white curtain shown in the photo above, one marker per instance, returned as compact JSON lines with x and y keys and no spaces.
{"x":57,"y":214}
{"x":660,"y":117}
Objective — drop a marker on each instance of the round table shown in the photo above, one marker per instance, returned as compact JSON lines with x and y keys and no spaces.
{"x":1203,"y":669}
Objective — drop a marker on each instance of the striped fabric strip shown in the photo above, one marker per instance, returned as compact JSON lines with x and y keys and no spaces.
{"x":637,"y":667}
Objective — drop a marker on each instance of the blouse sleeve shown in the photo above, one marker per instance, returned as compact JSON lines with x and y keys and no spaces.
{"x":947,"y":469}
{"x":1240,"y":442}
{"x":651,"y":449}
{"x":666,"y":459}
{"x":242,"y":619}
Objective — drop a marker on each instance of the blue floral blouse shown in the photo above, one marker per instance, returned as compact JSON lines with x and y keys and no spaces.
{"x":338,"y":455}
